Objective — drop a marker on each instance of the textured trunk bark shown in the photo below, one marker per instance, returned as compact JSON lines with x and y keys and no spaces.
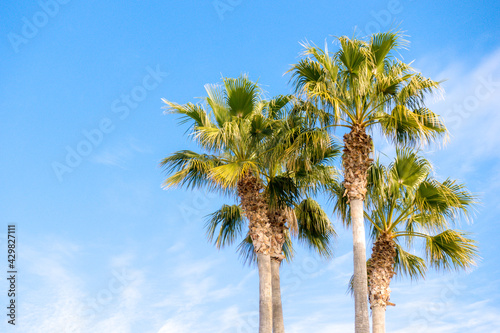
{"x":278,"y":323}
{"x":255,"y":207}
{"x":380,"y":273}
{"x":378,"y":319}
{"x":356,"y":161}
{"x":362,"y":324}
{"x":265,"y":293}
{"x":277,"y":219}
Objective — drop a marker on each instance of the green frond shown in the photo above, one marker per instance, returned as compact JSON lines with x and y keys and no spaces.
{"x":189,"y":112}
{"x":246,"y":251}
{"x":340,"y":202}
{"x":315,"y":228}
{"x":306,"y":74}
{"x":449,"y":199}
{"x":281,"y":192}
{"x":461,"y":201}
{"x":451,"y":250}
{"x":227,"y":175}
{"x":217,"y":103}
{"x":312,"y":113}
{"x":190,"y":169}
{"x":277,"y":106}
{"x":260,"y":128}
{"x":416,"y":88}
{"x":317,"y":180}
{"x":409,"y":265}
{"x":216,"y":139}
{"x":408,"y":169}
{"x":381,"y":45}
{"x":376,"y":180}
{"x":288,"y":250}
{"x":350,"y":286}
{"x":408,"y":127}
{"x":306,"y":147}
{"x":352,"y":55}
{"x":241,"y":96}
{"x":228,"y":221}
{"x":311,"y":79}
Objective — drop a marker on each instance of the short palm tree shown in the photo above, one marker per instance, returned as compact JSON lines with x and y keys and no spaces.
{"x":361,"y":87}
{"x":405,"y":205}
{"x":233,"y":134}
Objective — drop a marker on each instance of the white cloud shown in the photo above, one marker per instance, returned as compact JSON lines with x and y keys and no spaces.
{"x":55,"y":298}
{"x":471,"y":111}
{"x":440,"y":305}
{"x":119,"y":154}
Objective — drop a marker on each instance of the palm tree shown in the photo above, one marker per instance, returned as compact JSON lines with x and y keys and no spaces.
{"x":407,"y":205}
{"x":361,"y":87}
{"x":232,"y":134}
{"x":290,"y":209}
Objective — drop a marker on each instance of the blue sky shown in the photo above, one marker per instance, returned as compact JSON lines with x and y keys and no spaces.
{"x":102,"y":248}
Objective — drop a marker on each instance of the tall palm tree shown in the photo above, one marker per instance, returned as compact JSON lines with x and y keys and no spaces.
{"x":232,"y":134}
{"x":407,"y":205}
{"x":310,"y":226}
{"x":361,"y":87}
{"x":291,"y":211}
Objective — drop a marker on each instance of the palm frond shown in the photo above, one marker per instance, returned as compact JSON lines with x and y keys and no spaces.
{"x":282,"y":192}
{"x":451,"y":250}
{"x":407,"y":127}
{"x":241,"y":96}
{"x":190,"y":169}
{"x":227,"y":175}
{"x":229,"y":221}
{"x":217,"y":103}
{"x":189,"y":112}
{"x":408,"y":169}
{"x":381,"y":45}
{"x":315,"y":228}
{"x":340,"y":202}
{"x":409,"y":265}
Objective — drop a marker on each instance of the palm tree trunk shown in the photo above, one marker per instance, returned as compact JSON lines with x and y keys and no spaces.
{"x":254,"y":205}
{"x":380,"y":273}
{"x":362,"y":324}
{"x":355,"y":162}
{"x":277,"y":218}
{"x":378,"y":319}
{"x":278,"y":323}
{"x":265,"y":293}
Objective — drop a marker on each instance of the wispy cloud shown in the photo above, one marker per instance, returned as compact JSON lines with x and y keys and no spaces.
{"x":441,"y":305}
{"x":119,"y":154}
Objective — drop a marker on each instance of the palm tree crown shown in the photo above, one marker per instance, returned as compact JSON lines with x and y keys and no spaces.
{"x":364,"y":84}
{"x":406,"y":204}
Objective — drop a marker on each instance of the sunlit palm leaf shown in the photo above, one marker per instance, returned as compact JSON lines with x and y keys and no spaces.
{"x":451,"y":250}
